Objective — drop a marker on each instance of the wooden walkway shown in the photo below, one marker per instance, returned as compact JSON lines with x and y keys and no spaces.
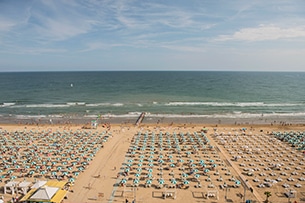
{"x":140,"y":119}
{"x":243,"y":179}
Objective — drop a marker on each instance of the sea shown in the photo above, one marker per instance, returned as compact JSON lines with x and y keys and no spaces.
{"x":160,"y":94}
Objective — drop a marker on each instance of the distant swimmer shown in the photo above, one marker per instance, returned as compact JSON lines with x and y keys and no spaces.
{"x":71,"y":85}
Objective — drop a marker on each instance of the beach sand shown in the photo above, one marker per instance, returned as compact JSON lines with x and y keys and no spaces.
{"x":215,"y":149}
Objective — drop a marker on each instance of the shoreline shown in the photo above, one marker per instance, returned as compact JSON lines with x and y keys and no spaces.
{"x":189,"y":119}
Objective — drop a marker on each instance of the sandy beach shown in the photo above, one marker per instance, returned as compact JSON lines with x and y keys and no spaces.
{"x":158,"y":162}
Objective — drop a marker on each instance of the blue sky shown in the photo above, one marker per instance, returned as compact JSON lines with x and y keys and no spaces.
{"x":64,"y":35}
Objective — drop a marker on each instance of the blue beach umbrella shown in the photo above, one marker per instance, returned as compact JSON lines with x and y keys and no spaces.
{"x":173,"y":181}
{"x":184,"y":175}
{"x":186,"y":182}
{"x":123,"y":181}
{"x":161,"y":181}
{"x":136,"y":181}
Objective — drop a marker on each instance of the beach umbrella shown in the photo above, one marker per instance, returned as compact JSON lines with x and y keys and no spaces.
{"x":173,"y":181}
{"x":197,"y":176}
{"x":71,"y":180}
{"x":13,"y":177}
{"x":195,"y":170}
{"x":161,"y":181}
{"x":206,"y":170}
{"x":184,"y":175}
{"x":186,"y":182}
{"x":76,"y":173}
{"x":65,"y":173}
{"x":84,"y":163}
{"x":172,"y":165}
{"x":136,"y":181}
{"x":149,"y":175}
{"x":148,"y":182}
{"x":137,"y":174}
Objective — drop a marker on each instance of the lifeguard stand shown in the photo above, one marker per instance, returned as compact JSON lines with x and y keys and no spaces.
{"x":94,"y":124}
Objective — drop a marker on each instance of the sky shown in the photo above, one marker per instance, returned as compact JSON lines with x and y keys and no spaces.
{"x":202,"y":35}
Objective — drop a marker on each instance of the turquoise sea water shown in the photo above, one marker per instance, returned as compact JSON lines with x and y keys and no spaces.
{"x":168,"y":94}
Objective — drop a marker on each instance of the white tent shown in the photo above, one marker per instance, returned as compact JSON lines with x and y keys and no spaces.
{"x":10,"y":187}
{"x":39,"y":183}
{"x":24,"y":186}
{"x":44,"y":193}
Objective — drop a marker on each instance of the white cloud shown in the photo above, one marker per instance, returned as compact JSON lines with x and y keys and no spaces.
{"x":263,"y":33}
{"x":6,"y":25}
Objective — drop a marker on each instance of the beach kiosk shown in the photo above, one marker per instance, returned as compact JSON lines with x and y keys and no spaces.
{"x":51,"y":192}
{"x":10,"y":187}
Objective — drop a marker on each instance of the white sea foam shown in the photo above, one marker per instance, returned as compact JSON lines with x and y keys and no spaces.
{"x":105,"y":104}
{"x":238,"y":104}
{"x":76,"y":103}
{"x":44,"y":105}
{"x":7,"y":104}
